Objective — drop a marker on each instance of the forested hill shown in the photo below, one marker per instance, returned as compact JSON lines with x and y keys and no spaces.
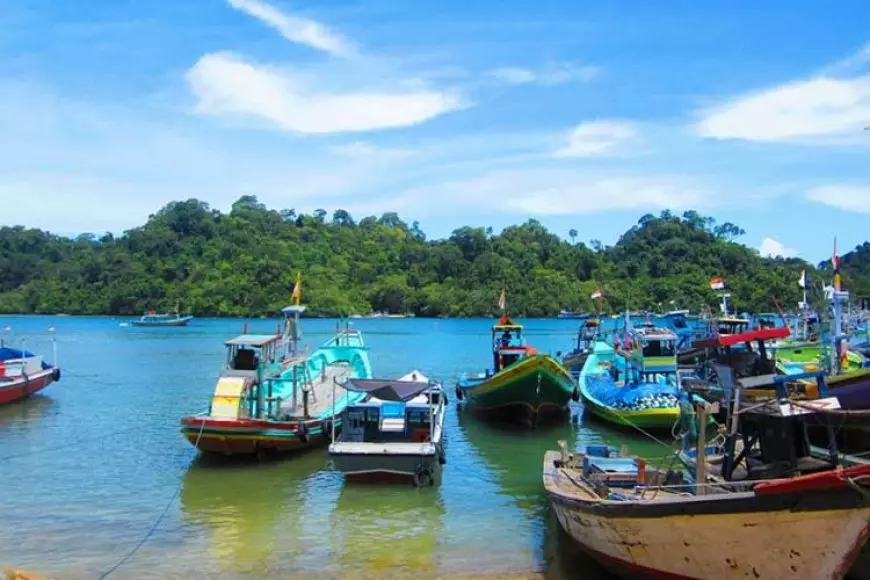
{"x":245,"y":263}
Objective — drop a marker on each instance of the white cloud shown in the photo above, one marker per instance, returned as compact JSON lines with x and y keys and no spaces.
{"x":366,"y":150}
{"x":551,"y":75}
{"x":597,"y":138}
{"x":226,"y":85}
{"x":771,"y":248}
{"x":295,"y":28}
{"x":854,"y":198}
{"x":818,"y":107}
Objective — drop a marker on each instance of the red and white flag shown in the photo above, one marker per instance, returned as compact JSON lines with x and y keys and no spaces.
{"x":717,"y":283}
{"x":802,"y":281}
{"x":502,"y":300}
{"x":596,"y":295}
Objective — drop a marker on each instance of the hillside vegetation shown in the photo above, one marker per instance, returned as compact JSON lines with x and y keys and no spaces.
{"x":245,"y":262}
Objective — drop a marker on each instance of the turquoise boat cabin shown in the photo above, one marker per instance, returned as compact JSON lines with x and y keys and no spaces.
{"x":654,"y":351}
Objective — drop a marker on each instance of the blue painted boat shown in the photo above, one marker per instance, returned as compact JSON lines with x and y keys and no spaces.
{"x":634,"y":384}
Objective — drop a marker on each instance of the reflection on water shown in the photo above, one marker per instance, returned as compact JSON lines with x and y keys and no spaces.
{"x":98,"y":457}
{"x":393,"y":529}
{"x":244,"y":508}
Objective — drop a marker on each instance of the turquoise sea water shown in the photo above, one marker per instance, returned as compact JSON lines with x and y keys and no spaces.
{"x":91,"y":464}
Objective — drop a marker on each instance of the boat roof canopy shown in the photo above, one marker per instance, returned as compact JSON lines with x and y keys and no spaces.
{"x":253,"y":340}
{"x":387,"y":390}
{"x":506,"y":323}
{"x":741,"y":337}
{"x":293,"y":309}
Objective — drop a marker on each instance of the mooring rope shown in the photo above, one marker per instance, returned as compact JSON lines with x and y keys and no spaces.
{"x":159,"y":519}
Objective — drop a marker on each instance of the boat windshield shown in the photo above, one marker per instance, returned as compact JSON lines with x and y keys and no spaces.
{"x":660,"y":348}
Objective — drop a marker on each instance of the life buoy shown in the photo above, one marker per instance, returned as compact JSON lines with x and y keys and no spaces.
{"x":302,"y":433}
{"x":423,"y":477}
{"x":575,"y":394}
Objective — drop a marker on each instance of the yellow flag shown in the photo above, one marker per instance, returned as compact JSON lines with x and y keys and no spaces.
{"x":297,"y":289}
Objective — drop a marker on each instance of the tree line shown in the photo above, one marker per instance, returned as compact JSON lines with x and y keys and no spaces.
{"x":244,"y":263}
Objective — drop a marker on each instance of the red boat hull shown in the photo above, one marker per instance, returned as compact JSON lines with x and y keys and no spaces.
{"x":253,"y":436}
{"x":20,"y":388}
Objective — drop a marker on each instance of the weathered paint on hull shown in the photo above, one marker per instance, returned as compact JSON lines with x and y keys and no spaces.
{"x":251,"y":437}
{"x":773,"y":545}
{"x":533,"y":389}
{"x":805,"y":528}
{"x":19,"y":389}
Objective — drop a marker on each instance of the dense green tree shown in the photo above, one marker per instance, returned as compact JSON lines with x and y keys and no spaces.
{"x":244,"y":263}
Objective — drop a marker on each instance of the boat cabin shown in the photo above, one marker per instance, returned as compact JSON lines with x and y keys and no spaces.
{"x":656,"y":350}
{"x":508,"y":345}
{"x":395,"y":411}
{"x":247,"y":352}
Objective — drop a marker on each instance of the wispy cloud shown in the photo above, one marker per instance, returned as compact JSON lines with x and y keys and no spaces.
{"x":547,"y":191}
{"x":818,"y":107}
{"x":551,"y":75}
{"x":771,"y":248}
{"x":295,"y":28}
{"x":366,"y":150}
{"x":227,"y":85}
{"x":854,"y":198}
{"x":597,"y":138}
{"x":833,"y":103}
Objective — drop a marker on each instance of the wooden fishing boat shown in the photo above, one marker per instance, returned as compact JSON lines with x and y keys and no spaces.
{"x":395,"y":434}
{"x":23,"y":373}
{"x":272,"y":397}
{"x":169,"y":319}
{"x":522,"y":385}
{"x":634,"y":386}
{"x":588,"y":333}
{"x":644,"y":522}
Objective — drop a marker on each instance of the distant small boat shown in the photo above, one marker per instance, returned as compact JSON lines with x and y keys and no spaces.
{"x":151,"y":318}
{"x":573,"y":315}
{"x":575,"y":360}
{"x":395,"y":434}
{"x":522,"y":384}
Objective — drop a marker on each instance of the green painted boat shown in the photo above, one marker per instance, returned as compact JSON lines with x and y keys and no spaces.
{"x":523,"y":384}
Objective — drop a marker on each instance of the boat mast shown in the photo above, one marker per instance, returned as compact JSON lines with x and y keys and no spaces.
{"x":837,"y":296}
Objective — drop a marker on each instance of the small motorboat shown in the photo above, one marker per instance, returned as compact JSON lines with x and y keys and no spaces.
{"x":395,"y":433}
{"x":23,"y":373}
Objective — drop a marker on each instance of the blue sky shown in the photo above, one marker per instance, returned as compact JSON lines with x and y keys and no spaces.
{"x":583,"y":115}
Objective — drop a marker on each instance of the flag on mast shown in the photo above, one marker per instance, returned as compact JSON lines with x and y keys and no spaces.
{"x":835,"y":262}
{"x":596,"y":295}
{"x":297,"y":289}
{"x":502,"y":300}
{"x":802,"y":281}
{"x":717,"y":283}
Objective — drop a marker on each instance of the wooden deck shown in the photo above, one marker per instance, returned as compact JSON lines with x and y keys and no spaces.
{"x":320,"y":392}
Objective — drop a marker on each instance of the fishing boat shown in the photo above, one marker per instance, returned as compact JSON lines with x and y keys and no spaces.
{"x":634,"y":384}
{"x":168,"y":319}
{"x":586,"y":337}
{"x":640,"y":521}
{"x":394,"y":434}
{"x":522,"y":385}
{"x":272,"y":397}
{"x":567,"y":314}
{"x":23,"y":373}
